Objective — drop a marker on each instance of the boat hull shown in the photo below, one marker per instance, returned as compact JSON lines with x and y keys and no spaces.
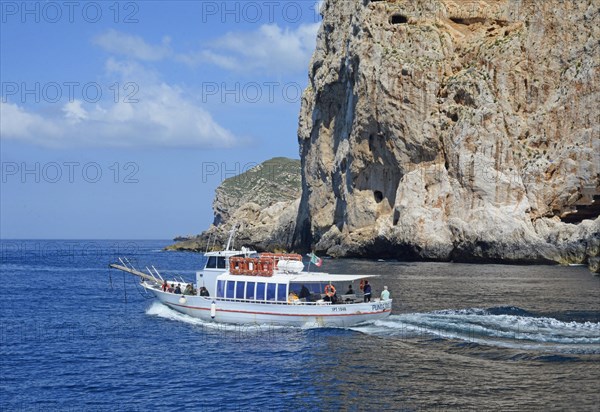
{"x":284,"y":314}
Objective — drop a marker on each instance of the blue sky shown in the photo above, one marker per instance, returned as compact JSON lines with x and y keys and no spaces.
{"x":119,"y":119}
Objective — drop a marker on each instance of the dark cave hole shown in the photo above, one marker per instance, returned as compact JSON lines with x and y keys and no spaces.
{"x":398,"y":19}
{"x":378,"y":196}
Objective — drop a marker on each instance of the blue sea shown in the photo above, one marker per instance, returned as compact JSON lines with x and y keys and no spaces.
{"x":78,"y":336}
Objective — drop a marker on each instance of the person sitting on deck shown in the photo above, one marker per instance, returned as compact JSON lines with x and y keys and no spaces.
{"x":189,"y":290}
{"x":177,"y":290}
{"x":293,"y":298}
{"x":171,"y":288}
{"x":350,"y":290}
{"x":204,"y":291}
{"x":165,"y":286}
{"x":304,"y":292}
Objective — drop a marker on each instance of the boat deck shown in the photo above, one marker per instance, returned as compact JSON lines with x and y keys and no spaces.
{"x":319,"y":301}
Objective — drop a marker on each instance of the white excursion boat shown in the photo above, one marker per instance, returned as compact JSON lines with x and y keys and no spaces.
{"x":245,"y":287}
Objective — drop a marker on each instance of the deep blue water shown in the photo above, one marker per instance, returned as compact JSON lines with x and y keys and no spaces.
{"x":75,"y":335}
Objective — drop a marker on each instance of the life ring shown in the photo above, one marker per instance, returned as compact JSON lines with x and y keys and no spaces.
{"x":329,"y":290}
{"x":362,"y":284}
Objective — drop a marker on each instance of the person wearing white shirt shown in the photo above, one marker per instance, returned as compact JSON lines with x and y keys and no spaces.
{"x":385,"y":293}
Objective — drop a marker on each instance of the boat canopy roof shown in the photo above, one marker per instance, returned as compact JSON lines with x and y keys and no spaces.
{"x":229,"y":253}
{"x":302,"y":277}
{"x":325,"y":277}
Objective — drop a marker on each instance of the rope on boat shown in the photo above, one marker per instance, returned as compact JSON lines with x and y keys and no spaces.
{"x":143,"y":292}
{"x":124,"y":288}
{"x":110,"y":282}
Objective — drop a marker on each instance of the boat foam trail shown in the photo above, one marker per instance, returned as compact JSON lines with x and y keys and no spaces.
{"x":485,"y":327}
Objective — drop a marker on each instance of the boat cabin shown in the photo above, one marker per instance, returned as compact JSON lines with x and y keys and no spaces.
{"x":272,"y":278}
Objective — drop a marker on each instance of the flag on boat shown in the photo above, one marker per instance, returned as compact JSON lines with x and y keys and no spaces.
{"x":315,"y":260}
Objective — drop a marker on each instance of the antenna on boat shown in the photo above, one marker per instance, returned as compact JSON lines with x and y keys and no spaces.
{"x":231,"y":235}
{"x":208,"y":242}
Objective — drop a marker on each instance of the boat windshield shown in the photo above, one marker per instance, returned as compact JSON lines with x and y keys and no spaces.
{"x":219,"y":262}
{"x":216,"y":262}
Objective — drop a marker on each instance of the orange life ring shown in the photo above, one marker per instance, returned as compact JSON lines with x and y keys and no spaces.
{"x":329,"y":290}
{"x":362,"y":284}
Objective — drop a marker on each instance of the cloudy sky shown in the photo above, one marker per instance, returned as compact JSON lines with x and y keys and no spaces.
{"x":119,"y":119}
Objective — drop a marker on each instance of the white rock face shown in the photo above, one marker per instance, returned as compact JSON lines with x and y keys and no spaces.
{"x":443,"y":129}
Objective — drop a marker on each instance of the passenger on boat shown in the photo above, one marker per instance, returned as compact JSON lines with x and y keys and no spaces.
{"x":177,"y":290}
{"x":172,"y":288}
{"x":304,"y":293}
{"x":189,"y":290}
{"x":165,"y":286}
{"x":385,"y":293}
{"x":350,"y":290}
{"x":367,"y":291}
{"x":204,"y":291}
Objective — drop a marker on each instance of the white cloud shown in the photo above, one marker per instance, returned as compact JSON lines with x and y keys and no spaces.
{"x":19,"y":124}
{"x":74,"y":111}
{"x":163,"y":116}
{"x":270,"y":48}
{"x":132,"y":46}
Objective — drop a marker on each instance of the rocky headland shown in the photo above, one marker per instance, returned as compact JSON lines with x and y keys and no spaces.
{"x":262,"y":202}
{"x":445,"y":130}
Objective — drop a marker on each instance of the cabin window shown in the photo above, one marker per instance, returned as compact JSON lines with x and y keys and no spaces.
{"x":221,"y":289}
{"x":296,"y":288}
{"x":221,"y":262}
{"x":314,"y":287}
{"x":230,"y":289}
{"x":271,"y":291}
{"x":282,"y":292}
{"x":239,"y":290}
{"x":212,"y":262}
{"x":250,"y":290}
{"x":260,"y":291}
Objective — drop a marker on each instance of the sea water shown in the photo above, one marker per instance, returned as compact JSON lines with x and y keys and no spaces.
{"x":75,"y":335}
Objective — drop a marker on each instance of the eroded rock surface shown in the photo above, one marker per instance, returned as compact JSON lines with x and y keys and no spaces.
{"x":448,"y":130}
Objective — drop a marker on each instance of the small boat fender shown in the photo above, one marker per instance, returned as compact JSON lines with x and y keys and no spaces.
{"x":213,"y":309}
{"x":182,"y":300}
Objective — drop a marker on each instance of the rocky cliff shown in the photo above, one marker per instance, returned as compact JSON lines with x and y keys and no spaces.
{"x":262,"y":201}
{"x":447,"y":129}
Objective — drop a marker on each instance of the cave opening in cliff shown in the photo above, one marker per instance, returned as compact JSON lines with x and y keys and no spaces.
{"x":398,"y":19}
{"x":468,"y":21}
{"x":378,"y":196}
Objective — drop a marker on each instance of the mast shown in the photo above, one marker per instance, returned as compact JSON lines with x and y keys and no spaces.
{"x":231,"y":235}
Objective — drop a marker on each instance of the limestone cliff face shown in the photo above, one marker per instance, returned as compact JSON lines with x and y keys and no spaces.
{"x":262,"y":202}
{"x":444,"y":129}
